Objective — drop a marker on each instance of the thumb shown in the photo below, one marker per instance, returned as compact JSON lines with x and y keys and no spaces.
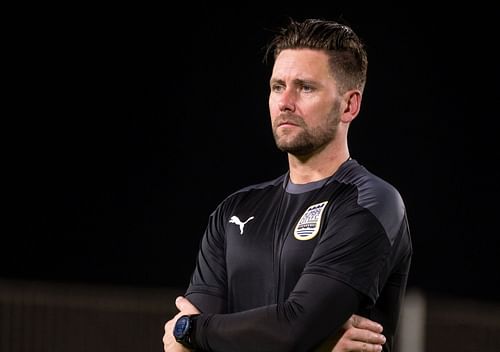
{"x":185,"y":306}
{"x":180,"y":302}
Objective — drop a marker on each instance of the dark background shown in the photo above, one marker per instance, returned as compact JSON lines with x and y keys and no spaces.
{"x":129,"y":127}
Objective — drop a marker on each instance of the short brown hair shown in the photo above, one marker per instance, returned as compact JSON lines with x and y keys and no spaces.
{"x":348,"y":57}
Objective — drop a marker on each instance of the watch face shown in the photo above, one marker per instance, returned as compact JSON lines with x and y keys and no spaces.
{"x":181,"y":326}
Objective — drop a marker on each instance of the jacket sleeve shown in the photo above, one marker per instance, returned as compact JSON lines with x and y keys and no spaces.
{"x":208,"y":284}
{"x":301,"y":323}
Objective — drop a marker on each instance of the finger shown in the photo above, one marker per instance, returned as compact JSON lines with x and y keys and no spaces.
{"x":366,"y":347}
{"x":169,"y":326}
{"x":185,"y":306}
{"x":365,"y":323}
{"x":167,"y":336}
{"x":367,"y":336}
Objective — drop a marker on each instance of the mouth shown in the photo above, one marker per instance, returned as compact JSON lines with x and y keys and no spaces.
{"x":286,"y":123}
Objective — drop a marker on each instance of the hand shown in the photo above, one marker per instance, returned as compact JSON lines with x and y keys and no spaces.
{"x":358,"y":334}
{"x":169,"y":343}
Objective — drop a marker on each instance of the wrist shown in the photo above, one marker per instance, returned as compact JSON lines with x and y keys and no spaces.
{"x":185,"y":330}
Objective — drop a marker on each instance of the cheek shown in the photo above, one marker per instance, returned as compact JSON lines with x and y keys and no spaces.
{"x":273,"y":107}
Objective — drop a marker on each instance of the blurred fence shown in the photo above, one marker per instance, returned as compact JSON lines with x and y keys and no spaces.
{"x":51,"y":317}
{"x":43,"y":317}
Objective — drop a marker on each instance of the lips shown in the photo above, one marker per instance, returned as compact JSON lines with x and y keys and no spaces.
{"x":287,"y":121}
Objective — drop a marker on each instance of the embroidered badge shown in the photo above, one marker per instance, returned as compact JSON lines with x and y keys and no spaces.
{"x":308,"y":225}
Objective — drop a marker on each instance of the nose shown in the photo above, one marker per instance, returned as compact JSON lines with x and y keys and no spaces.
{"x":286,"y":101}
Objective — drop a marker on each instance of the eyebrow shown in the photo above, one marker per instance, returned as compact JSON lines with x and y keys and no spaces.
{"x":296,"y":81}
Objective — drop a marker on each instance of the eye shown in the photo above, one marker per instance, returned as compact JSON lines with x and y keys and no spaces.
{"x":307,"y":89}
{"x":277,"y":88}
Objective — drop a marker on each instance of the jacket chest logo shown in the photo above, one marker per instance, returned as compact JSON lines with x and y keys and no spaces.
{"x":308,"y":225}
{"x":235,"y":220}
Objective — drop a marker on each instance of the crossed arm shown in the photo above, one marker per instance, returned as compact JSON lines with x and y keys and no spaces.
{"x":356,"y":334}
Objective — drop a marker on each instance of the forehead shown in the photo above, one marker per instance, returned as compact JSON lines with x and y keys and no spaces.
{"x":301,"y":63}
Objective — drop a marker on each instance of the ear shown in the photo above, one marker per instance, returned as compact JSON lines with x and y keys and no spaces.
{"x":352,"y":105}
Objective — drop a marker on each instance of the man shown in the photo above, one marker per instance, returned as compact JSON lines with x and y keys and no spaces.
{"x":284,"y":264}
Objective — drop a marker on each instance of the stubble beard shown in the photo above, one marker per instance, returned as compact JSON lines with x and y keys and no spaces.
{"x":307,"y":140}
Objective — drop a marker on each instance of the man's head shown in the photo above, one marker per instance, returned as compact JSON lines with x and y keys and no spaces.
{"x":316,"y":85}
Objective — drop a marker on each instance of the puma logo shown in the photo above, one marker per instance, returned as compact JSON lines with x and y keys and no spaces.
{"x":235,"y":220}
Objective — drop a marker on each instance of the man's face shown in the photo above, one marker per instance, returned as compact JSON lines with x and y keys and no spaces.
{"x":304,"y":103}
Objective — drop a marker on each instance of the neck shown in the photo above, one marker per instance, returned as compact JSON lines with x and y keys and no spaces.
{"x":317,"y":166}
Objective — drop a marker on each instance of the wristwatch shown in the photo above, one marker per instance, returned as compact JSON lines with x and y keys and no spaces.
{"x":184,"y":330}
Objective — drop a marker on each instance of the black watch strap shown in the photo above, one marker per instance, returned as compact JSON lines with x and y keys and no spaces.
{"x":185,"y":329}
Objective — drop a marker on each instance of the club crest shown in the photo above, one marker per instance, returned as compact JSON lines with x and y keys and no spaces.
{"x":308,"y":225}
